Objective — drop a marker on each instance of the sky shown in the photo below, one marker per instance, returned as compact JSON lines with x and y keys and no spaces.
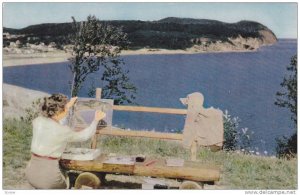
{"x":281,"y":18}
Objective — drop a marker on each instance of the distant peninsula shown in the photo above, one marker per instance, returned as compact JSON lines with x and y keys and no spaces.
{"x":172,"y":33}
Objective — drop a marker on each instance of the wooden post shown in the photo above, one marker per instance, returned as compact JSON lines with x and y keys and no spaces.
{"x":98,"y":93}
{"x":94,"y":141}
{"x":194,"y":151}
{"x":94,"y":138}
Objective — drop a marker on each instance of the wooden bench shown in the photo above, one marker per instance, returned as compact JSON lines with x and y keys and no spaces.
{"x":153,"y":167}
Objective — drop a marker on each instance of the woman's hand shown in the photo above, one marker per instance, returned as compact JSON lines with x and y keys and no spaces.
{"x":71,"y":102}
{"x":99,"y":115}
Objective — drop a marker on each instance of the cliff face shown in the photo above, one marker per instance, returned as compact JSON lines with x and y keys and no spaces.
{"x":239,"y":43}
{"x":268,"y":37}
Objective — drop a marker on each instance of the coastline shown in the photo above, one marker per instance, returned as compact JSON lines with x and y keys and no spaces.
{"x":12,"y":59}
{"x":12,"y":106}
{"x":189,"y":51}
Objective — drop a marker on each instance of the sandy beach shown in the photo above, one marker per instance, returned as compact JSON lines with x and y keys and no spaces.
{"x":13,"y":59}
{"x":35,"y":58}
{"x":62,"y":56}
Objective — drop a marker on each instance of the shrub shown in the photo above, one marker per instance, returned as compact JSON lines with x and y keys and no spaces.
{"x":235,"y":138}
{"x":31,"y":112}
{"x":287,"y":147}
{"x":230,"y":131}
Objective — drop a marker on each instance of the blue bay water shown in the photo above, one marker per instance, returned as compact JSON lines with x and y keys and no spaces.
{"x":243,"y":83}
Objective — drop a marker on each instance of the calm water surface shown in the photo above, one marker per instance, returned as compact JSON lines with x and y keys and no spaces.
{"x":245,"y":84}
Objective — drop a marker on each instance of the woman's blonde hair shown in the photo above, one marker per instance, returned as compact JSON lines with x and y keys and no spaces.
{"x":54,"y":104}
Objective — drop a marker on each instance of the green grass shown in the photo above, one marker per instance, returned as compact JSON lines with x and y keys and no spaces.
{"x":16,"y":151}
{"x":16,"y":143}
{"x":238,"y":171}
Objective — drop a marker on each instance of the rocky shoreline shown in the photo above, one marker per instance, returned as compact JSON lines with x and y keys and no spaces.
{"x":17,"y":99}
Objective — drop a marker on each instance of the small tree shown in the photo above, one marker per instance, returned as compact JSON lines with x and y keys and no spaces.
{"x":287,"y":98}
{"x":97,"y":45}
{"x":118,"y":84}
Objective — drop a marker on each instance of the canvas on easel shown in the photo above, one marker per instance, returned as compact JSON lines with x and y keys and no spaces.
{"x":84,"y":111}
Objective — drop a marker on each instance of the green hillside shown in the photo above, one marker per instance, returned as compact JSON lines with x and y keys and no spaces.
{"x":168,"y":33}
